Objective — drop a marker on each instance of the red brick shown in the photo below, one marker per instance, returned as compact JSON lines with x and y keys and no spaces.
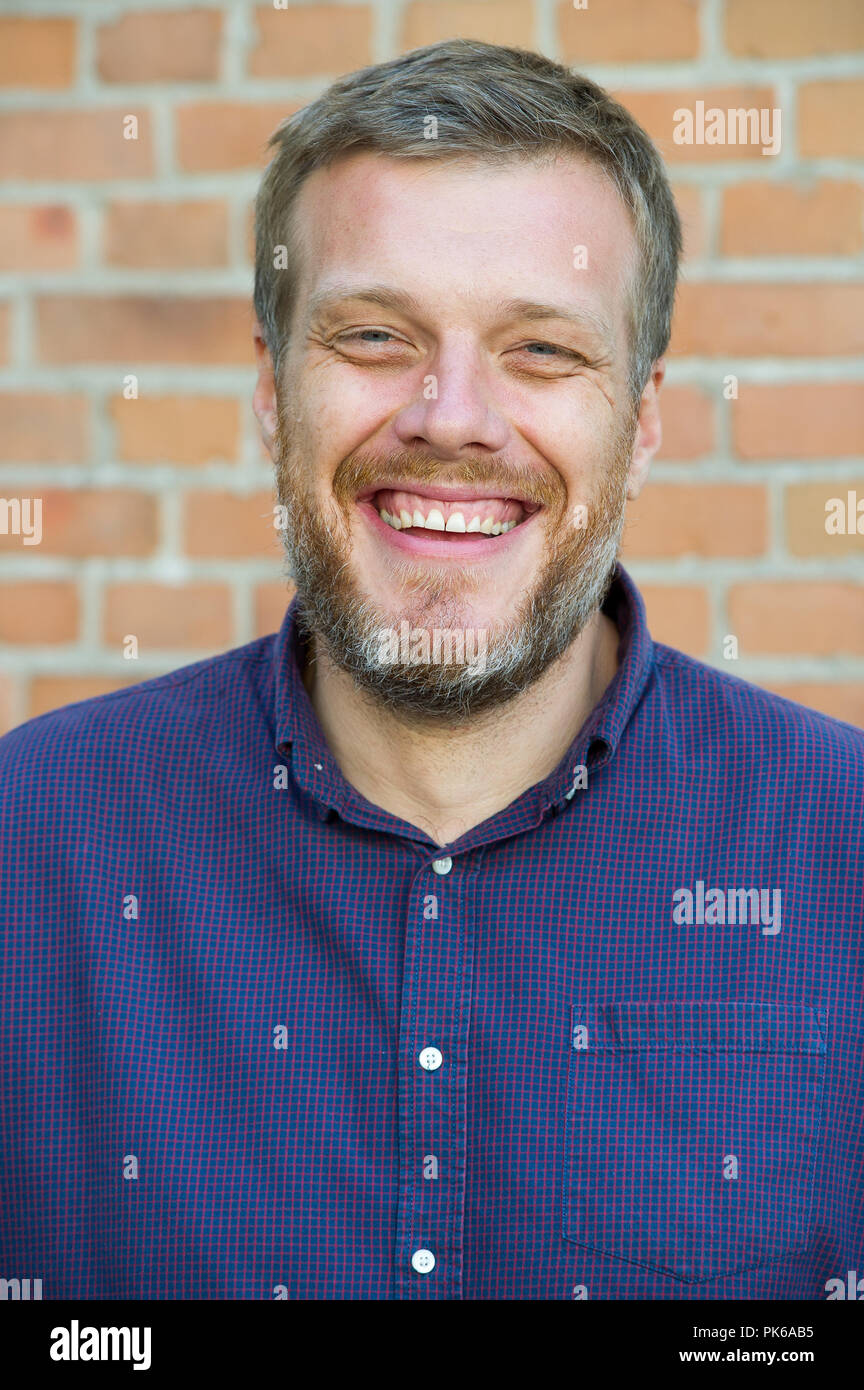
{"x":217,"y":135}
{"x":679,"y":615}
{"x":707,"y":520}
{"x":38,"y":427}
{"x":144,"y":328}
{"x":39,"y":612}
{"x":73,"y":145}
{"x":271,"y":603}
{"x":692,"y":214}
{"x":806,"y":515}
{"x":165,"y":615}
{"x":97,"y":522}
{"x":831,"y":118}
{"x":8,"y":702}
{"x":687,"y":416}
{"x":37,"y":52}
{"x":790,"y":617}
{"x":164,"y":46}
{"x":753,"y":320}
{"x":223,"y":524}
{"x":38,"y":238}
{"x":504,"y":21}
{"x":822,"y":218}
{"x":655,"y":111}
{"x":308,"y":39}
{"x":793,"y":28}
{"x":176,"y":429}
{"x":805,"y":420}
{"x":628,"y":31}
{"x":188,"y":235}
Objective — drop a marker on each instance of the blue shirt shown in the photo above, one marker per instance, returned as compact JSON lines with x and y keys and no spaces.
{"x":262,"y":1039}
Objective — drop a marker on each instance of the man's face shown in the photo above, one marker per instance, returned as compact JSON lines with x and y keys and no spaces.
{"x":423,"y":381}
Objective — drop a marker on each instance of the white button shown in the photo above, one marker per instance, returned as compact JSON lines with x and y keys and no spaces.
{"x":442,"y":866}
{"x":430,"y":1059}
{"x":423,"y":1261}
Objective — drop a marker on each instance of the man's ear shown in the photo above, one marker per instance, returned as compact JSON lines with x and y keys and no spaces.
{"x":264,"y":399}
{"x":649,"y":432}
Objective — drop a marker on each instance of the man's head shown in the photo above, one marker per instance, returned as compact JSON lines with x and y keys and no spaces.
{"x":465,"y":271}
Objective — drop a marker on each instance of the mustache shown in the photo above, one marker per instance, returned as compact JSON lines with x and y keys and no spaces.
{"x":361,"y":471}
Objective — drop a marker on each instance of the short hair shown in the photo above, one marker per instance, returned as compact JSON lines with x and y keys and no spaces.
{"x":491,"y":104}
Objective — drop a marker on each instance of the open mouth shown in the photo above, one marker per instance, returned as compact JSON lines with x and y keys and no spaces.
{"x":443,"y":518}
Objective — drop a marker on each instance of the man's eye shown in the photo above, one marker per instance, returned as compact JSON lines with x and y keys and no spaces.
{"x":360,"y":333}
{"x":551,"y":348}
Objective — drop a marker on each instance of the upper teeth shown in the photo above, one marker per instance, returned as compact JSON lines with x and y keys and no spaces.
{"x":434,"y":521}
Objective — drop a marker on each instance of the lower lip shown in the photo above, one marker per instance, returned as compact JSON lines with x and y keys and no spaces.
{"x":465,"y":546}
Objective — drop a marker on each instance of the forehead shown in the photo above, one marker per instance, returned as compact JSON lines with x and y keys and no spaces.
{"x":455,"y":233}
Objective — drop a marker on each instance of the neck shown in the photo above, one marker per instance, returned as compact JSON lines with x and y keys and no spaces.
{"x":445,"y":779}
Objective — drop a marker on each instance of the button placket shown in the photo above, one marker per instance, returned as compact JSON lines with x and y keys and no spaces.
{"x":432,"y":1088}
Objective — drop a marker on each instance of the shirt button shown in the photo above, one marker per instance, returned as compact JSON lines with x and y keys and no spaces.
{"x":423,"y":1261}
{"x":442,"y":866}
{"x":430,"y":1059}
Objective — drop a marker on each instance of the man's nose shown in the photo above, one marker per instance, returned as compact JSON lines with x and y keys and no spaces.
{"x":454,"y":408}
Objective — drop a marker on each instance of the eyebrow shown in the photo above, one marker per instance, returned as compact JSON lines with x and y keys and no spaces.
{"x":388,"y":297}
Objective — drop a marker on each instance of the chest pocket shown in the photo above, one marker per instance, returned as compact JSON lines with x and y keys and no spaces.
{"x":692,"y":1133}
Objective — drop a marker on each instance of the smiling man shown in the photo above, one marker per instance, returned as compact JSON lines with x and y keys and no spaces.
{"x":350,"y":965}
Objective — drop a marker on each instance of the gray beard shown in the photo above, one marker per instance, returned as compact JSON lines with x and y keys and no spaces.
{"x":571,"y":587}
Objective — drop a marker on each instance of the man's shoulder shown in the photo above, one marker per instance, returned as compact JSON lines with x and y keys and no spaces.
{"x":733,"y":714}
{"x":138,"y":717}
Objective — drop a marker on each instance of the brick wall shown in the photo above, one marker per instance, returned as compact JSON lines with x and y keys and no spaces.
{"x":127,"y":257}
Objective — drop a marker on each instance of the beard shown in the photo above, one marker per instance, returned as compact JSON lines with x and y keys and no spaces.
{"x":570,"y":587}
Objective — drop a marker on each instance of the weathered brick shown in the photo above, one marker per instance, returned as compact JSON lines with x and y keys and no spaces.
{"x":628,"y":31}
{"x":271,"y":602}
{"x":806,"y":517}
{"x":162,"y":46}
{"x":225,"y":525}
{"x":831,"y":118}
{"x":655,"y":111}
{"x":692,"y":214}
{"x":37,"y":52}
{"x":44,"y":611}
{"x":820,"y":218}
{"x":793,"y":28}
{"x":687,"y":417}
{"x":168,"y":615}
{"x":176,"y":429}
{"x":813,"y":420}
{"x":679,"y":615}
{"x":39,"y":427}
{"x":38,"y":238}
{"x":144,"y":328}
{"x":755,"y":320}
{"x":187,"y":235}
{"x":791,"y":617}
{"x":707,"y":520}
{"x":503,"y":21}
{"x":305,"y":40}
{"x":74,"y":144}
{"x":216,"y":135}
{"x":86,"y":522}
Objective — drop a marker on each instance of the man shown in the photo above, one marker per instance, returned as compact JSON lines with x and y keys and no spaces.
{"x":458,"y":941}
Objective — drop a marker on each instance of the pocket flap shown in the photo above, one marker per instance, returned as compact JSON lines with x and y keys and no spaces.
{"x":715,"y":1025}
